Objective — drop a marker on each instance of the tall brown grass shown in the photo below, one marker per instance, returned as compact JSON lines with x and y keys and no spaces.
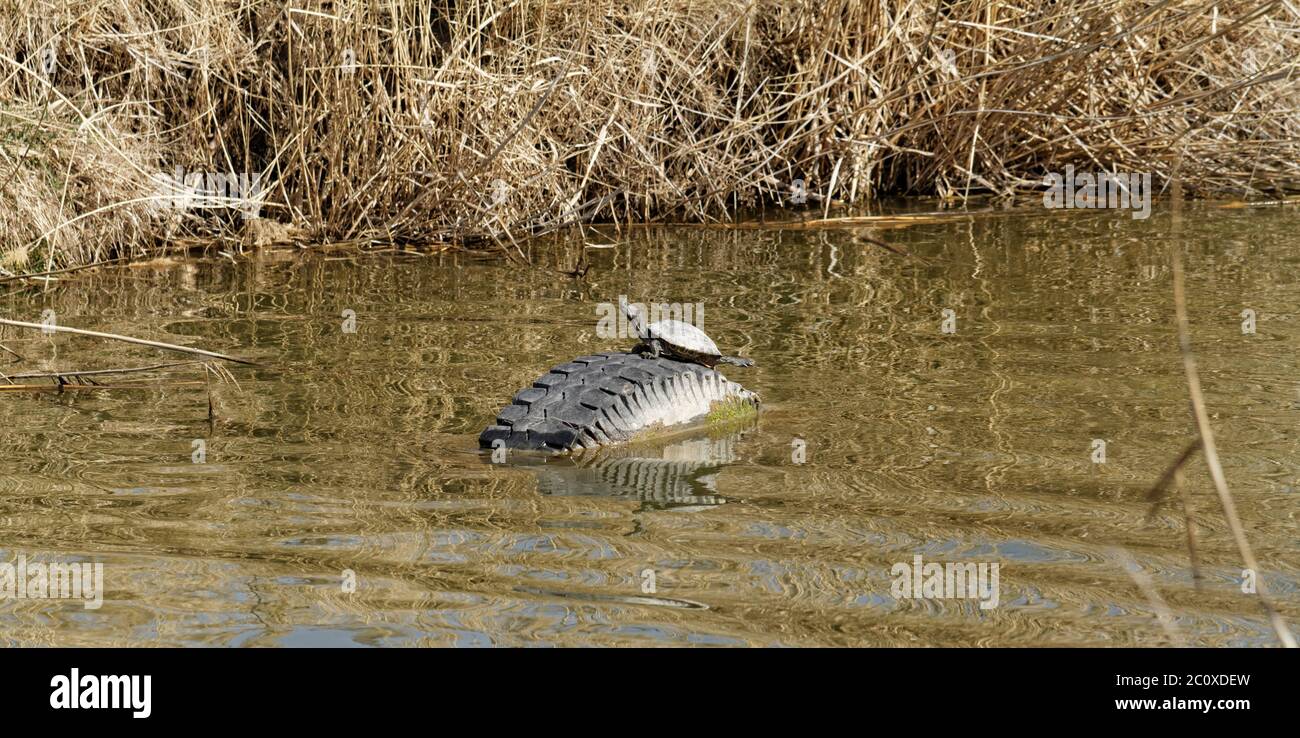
{"x":432,"y":121}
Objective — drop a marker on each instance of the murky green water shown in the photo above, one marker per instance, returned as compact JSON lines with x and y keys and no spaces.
{"x":357,"y":451}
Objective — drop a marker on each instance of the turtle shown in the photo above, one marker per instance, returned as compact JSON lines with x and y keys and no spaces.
{"x":678,"y":340}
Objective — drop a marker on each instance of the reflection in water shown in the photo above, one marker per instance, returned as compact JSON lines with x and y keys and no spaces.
{"x":681,"y":473}
{"x":356,"y":451}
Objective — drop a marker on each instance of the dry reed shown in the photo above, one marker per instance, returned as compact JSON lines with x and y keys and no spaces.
{"x":426,"y":121}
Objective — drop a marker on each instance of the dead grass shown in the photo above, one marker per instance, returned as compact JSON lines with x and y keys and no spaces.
{"x":492,"y":120}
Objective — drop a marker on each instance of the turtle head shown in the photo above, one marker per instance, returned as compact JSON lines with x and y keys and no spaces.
{"x":634,"y":320}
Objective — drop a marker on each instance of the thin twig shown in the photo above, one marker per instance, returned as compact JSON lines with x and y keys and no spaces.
{"x":886,"y":246}
{"x":95,"y":372}
{"x":1193,"y":557}
{"x":81,"y":267}
{"x":127,"y":339}
{"x":1157,"y":491}
{"x":61,"y":387}
{"x":207,"y":384}
{"x":1212,"y":453}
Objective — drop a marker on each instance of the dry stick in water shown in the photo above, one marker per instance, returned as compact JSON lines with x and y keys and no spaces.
{"x":1212,"y":453}
{"x":1157,"y":491}
{"x":1190,"y":522}
{"x":127,"y":339}
{"x":94,"y":372}
{"x":41,"y":275}
{"x":1173,"y":477}
{"x":207,"y":384}
{"x":126,"y":384}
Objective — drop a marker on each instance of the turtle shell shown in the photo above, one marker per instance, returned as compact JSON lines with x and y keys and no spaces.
{"x":684,"y":338}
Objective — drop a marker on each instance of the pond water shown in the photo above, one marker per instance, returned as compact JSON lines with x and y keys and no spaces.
{"x":350,"y":458}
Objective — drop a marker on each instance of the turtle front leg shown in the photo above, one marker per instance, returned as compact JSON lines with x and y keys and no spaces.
{"x":651,"y":349}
